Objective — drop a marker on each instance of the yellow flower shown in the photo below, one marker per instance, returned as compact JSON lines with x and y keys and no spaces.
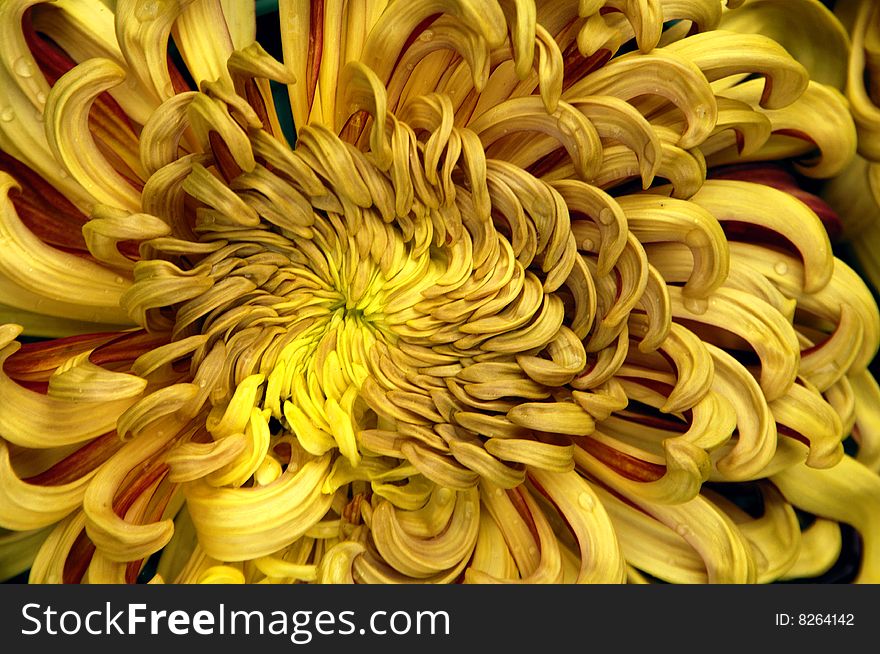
{"x":533,"y":295}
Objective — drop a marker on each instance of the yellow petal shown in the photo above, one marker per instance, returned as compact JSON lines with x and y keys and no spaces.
{"x":69,"y":136}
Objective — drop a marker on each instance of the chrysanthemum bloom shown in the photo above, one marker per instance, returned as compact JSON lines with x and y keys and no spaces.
{"x":855,"y":192}
{"x":507,"y":309}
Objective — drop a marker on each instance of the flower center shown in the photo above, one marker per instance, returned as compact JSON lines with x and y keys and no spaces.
{"x":412,"y":314}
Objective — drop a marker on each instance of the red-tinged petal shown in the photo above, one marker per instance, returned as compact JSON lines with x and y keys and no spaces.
{"x":83,"y":461}
{"x":161,"y":495}
{"x":78,"y":559}
{"x":316,"y":48}
{"x":624,"y":464}
{"x":519,"y":502}
{"x":142,"y":480}
{"x":112,"y":129}
{"x":33,"y":365}
{"x":778,"y":177}
{"x":47,"y":213}
{"x":35,"y":362}
{"x":223,"y":158}
{"x":575,"y":66}
{"x":126,"y":347}
{"x":52,"y":60}
{"x":55,"y":62}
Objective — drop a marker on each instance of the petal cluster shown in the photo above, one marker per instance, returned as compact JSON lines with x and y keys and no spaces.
{"x":535,"y":292}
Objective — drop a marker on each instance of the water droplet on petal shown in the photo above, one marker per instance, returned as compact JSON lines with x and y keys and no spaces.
{"x":696,"y":305}
{"x":586,"y":501}
{"x":566,"y":124}
{"x":606,"y":216}
{"x":781,"y":268}
{"x":23,"y":67}
{"x":119,"y":280}
{"x":41,"y":97}
{"x":7,"y":114}
{"x":588,"y":245}
{"x":683,"y":530}
{"x":147,"y":10}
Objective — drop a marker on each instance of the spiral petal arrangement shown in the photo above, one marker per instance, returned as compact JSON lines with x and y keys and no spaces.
{"x":534,"y":294}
